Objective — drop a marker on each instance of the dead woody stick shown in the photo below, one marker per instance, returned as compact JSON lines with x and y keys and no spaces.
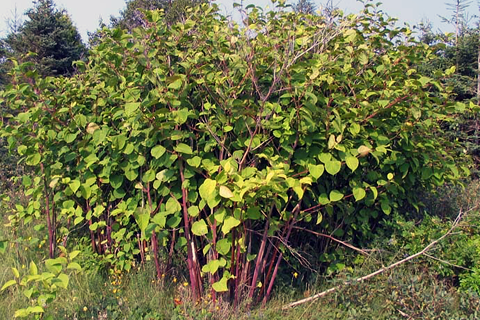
{"x":382,"y":270}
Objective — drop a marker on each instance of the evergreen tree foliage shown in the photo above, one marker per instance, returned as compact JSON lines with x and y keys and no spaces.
{"x":132,"y":17}
{"x":460,"y":51}
{"x":50,"y":34}
{"x":304,"y":6}
{"x":4,"y":54}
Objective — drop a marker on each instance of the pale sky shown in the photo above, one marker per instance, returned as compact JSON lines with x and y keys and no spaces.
{"x":87,"y":13}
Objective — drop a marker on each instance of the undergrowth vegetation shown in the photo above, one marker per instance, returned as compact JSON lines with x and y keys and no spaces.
{"x":190,"y":171}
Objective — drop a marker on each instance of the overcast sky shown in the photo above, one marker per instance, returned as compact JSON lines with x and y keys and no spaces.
{"x":87,"y":13}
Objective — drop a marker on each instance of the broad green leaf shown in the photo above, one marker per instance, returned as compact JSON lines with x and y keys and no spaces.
{"x":33,"y":269}
{"x":335,"y":195}
{"x":354,"y":129}
{"x":78,"y":220}
{"x":143,"y":220}
{"x":359,"y":193}
{"x":36,"y":309}
{"x":229,"y":223}
{"x":74,"y":185}
{"x":160,"y":219}
{"x":195,"y":161}
{"x":34,"y":159}
{"x":223,"y":246}
{"x":352,"y":162}
{"x":15,"y":272}
{"x":131,"y":174}
{"x":207,"y":189}
{"x":181,"y":116}
{"x":331,"y":142}
{"x":74,"y":266}
{"x":63,"y":280}
{"x":172,"y":205}
{"x":183,"y":148}
{"x":54,"y":265}
{"x":193,"y":211}
{"x":70,"y":137}
{"x":319,"y":217}
{"x":350,"y":35}
{"x":323,"y":199}
{"x":225,"y":192}
{"x":116,"y":181}
{"x":22,"y":313}
{"x":386,"y":207}
{"x":316,"y":170}
{"x":199,"y":228}
{"x":333,"y":167}
{"x":177,"y":84}
{"x":174,"y":221}
{"x":221,"y":285}
{"x":149,"y":176}
{"x":213,"y":265}
{"x":72,"y":255}
{"x":8,"y":284}
{"x":131,"y":107}
{"x":157,"y":151}
{"x":375,"y":192}
{"x":28,"y":292}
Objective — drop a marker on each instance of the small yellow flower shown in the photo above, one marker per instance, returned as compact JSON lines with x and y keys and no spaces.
{"x":295,"y":275}
{"x":26,"y":248}
{"x":114,"y":291}
{"x":174,"y":279}
{"x":163,"y":275}
{"x":85,"y":309}
{"x":23,"y":266}
{"x":185,"y":284}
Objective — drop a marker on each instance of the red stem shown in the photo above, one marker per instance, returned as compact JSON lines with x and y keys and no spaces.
{"x":191,"y":252}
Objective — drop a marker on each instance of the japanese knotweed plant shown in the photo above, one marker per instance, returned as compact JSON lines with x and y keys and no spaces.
{"x":213,"y":141}
{"x":42,"y":288}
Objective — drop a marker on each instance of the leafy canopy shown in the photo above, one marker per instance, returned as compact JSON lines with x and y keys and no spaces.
{"x":234,"y":136}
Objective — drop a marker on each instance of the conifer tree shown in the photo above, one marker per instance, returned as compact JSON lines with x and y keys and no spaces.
{"x":50,"y":34}
{"x":304,"y":6}
{"x":132,"y":16}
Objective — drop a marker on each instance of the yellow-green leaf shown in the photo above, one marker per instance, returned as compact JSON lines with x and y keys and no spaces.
{"x":225,"y":192}
{"x":199,"y":228}
{"x":352,"y":163}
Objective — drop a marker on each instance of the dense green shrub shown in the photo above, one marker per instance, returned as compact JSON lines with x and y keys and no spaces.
{"x":213,"y":142}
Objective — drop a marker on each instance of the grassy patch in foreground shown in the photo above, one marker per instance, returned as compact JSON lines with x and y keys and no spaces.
{"x":420,"y":289}
{"x":411,"y":291}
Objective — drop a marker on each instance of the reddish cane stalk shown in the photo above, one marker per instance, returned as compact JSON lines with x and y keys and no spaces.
{"x":51,"y":240}
{"x":296,"y":210}
{"x":154,"y":237}
{"x":191,"y":252}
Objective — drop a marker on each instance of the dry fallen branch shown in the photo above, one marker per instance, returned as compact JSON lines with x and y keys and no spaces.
{"x":382,"y":270}
{"x":348,"y":245}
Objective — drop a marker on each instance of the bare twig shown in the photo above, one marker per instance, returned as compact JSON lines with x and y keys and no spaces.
{"x":444,"y":261}
{"x":334,"y":239}
{"x":406,"y":315}
{"x":382,"y":270}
